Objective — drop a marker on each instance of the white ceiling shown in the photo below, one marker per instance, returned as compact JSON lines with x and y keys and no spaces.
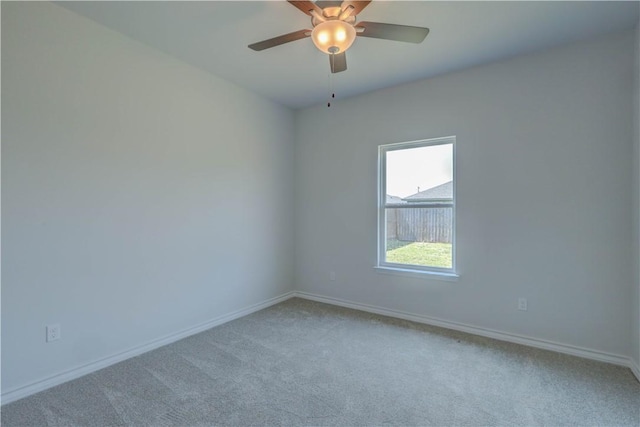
{"x":214,"y":35}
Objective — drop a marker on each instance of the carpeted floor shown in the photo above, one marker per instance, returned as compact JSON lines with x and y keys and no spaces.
{"x":306,"y":363}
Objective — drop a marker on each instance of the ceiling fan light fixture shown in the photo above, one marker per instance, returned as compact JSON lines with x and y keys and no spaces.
{"x":333,"y":36}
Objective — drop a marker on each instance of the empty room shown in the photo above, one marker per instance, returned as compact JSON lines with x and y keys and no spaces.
{"x":348,"y":213}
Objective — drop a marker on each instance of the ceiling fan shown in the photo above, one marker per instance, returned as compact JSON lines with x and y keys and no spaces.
{"x":335,"y":29}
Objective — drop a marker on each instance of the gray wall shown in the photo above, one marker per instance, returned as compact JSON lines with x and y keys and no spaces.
{"x":544,"y":183}
{"x":140,"y":196}
{"x":635,"y":337}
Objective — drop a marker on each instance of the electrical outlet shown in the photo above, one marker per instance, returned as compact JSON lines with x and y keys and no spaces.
{"x":332,"y":276}
{"x":53,"y":332}
{"x":522,"y":304}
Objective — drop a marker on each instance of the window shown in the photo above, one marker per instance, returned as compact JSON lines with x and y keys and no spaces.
{"x":416,"y":206}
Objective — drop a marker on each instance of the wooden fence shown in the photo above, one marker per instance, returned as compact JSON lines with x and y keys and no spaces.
{"x":420,"y":224}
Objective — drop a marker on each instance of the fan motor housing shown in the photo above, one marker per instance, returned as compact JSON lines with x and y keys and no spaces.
{"x":332,"y":13}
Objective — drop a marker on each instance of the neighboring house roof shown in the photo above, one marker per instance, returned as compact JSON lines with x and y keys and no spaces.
{"x":394,"y":199}
{"x":439,"y":192}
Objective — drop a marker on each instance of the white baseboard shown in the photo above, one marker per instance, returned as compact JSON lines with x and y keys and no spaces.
{"x":484,"y":332}
{"x":71,"y":374}
{"x":635,"y":368}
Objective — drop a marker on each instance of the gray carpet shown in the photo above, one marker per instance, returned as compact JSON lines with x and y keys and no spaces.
{"x":306,"y":363}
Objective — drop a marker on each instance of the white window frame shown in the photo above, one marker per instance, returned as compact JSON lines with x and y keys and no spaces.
{"x":410,"y":269}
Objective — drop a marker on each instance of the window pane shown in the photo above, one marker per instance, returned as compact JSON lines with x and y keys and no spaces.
{"x":411,"y":171}
{"x":416,"y":222}
{"x":419,"y":236}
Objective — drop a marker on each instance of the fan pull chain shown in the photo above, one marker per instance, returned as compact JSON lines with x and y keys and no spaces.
{"x":333,"y":95}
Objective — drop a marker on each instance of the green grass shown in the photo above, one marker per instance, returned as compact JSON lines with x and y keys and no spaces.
{"x":419,"y":253}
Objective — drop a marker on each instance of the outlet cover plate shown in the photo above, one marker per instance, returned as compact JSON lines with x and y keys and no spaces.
{"x":53,"y":332}
{"x":522,"y":304}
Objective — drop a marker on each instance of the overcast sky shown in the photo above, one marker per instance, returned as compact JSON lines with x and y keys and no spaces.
{"x":423,"y":167}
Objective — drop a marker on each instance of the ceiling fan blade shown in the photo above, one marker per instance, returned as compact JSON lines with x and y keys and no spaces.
{"x":338,"y":62}
{"x":400,"y":33}
{"x":306,"y":6}
{"x":358,"y":5}
{"x":277,"y":41}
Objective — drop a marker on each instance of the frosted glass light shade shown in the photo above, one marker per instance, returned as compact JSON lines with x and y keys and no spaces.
{"x":333,"y":36}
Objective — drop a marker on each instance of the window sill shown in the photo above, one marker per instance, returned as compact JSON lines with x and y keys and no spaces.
{"x":407,"y":272}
